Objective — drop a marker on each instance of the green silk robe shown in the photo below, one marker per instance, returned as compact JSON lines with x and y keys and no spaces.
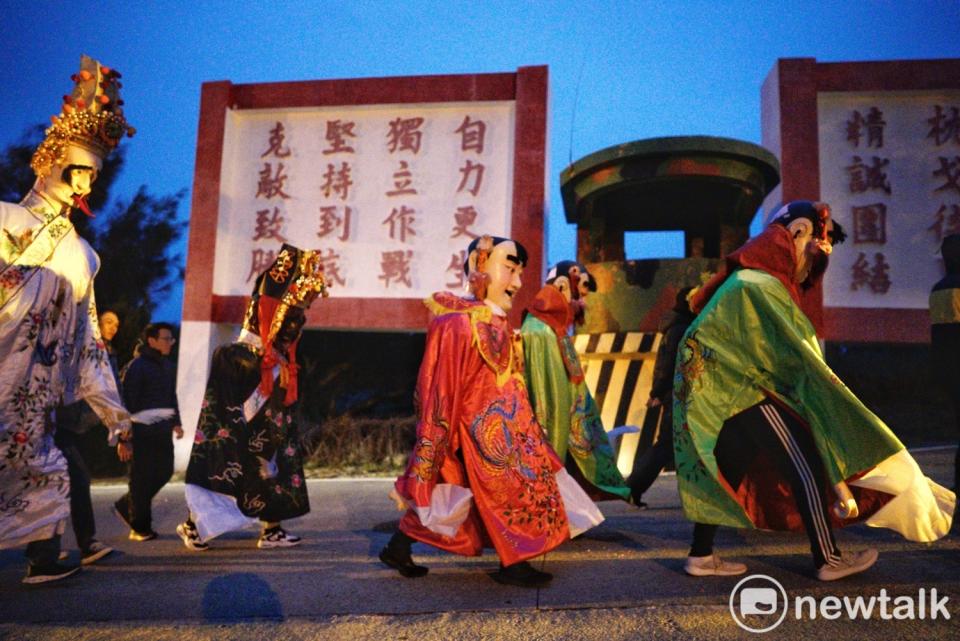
{"x":752,"y":342}
{"x":566,"y":410}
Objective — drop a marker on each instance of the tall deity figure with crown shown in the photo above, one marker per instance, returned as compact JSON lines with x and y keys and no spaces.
{"x":49,"y":338}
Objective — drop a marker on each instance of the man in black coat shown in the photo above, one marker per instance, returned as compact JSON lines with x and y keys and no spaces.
{"x":647,"y":467}
{"x":149,"y":382}
{"x":945,"y":332}
{"x":73,"y":421}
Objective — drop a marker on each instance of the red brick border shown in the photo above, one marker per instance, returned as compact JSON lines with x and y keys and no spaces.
{"x":789,"y":122}
{"x":528,"y":87}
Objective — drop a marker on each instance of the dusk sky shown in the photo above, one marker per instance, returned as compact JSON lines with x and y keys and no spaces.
{"x":618,"y":71}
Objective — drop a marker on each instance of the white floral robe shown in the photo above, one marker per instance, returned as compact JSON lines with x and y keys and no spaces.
{"x":51,"y":351}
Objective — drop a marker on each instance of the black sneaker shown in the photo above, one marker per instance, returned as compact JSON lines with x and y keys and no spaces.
{"x":521,"y":574}
{"x":45,"y":573}
{"x":402,"y":563}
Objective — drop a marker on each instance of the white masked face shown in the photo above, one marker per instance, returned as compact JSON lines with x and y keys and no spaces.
{"x":504,"y":268}
{"x":61,"y":186}
{"x":807,"y":248}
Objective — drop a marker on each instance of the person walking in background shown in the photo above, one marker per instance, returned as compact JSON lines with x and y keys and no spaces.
{"x":945,"y":333}
{"x":149,"y":383}
{"x":73,"y":421}
{"x":109,"y":324}
{"x":647,"y":467}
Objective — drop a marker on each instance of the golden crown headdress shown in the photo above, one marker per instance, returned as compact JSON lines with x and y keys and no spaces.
{"x":91,"y":117}
{"x":295,"y":280}
{"x":308,"y":281}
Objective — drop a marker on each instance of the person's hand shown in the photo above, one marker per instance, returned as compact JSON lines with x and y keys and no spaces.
{"x":178,"y":431}
{"x":125,"y":451}
{"x":401,"y":504}
{"x":653,"y":402}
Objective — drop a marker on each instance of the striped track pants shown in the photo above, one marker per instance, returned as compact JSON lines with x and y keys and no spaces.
{"x":790,"y":447}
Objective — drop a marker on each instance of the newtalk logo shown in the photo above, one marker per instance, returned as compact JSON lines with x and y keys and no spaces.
{"x":759,"y":603}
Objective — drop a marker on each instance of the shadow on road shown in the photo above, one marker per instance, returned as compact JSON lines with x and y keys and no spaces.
{"x":240,"y":596}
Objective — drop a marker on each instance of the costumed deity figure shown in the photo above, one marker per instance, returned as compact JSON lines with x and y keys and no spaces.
{"x":481,"y":473}
{"x":246,"y":465}
{"x":49,"y":339}
{"x":766,"y":435}
{"x":561,"y":401}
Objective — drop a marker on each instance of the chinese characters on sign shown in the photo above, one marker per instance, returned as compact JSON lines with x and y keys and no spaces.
{"x":268,"y":222}
{"x":389,"y":194}
{"x":890,"y":169}
{"x":945,"y":134}
{"x":869,"y":221}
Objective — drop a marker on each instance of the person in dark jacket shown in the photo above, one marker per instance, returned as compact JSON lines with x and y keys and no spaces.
{"x":149,"y":383}
{"x":945,"y":332}
{"x":647,"y":467}
{"x":73,"y":421}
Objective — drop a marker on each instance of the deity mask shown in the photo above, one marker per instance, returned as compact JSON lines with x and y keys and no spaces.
{"x":276,"y":312}
{"x":71,"y":179}
{"x":494,"y":267}
{"x":814,"y":233}
{"x":575,"y":283}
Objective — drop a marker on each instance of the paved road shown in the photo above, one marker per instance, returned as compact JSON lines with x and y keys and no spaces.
{"x":622,"y":580}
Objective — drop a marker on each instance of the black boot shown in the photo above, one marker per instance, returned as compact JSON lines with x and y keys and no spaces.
{"x":521,"y":574}
{"x":397,"y":555}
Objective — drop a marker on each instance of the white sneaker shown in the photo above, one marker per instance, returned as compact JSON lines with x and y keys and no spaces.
{"x":94,"y":552}
{"x":849,"y":564}
{"x":278,"y":538}
{"x":712,"y":565}
{"x":191,"y":538}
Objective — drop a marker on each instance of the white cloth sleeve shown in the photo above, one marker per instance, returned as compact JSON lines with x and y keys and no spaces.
{"x":448,"y":509}
{"x":920,"y":509}
{"x":582,"y":512}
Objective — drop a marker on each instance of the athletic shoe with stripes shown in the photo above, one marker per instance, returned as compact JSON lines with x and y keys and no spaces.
{"x":850,"y":563}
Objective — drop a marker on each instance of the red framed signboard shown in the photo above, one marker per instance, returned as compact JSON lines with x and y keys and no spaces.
{"x":389,"y":177}
{"x":880,"y":142}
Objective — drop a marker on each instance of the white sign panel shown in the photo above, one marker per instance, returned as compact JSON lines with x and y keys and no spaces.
{"x":890,"y":169}
{"x":390,"y":194}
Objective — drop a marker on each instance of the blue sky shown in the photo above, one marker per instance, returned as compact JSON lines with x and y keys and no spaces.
{"x":619,"y":71}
